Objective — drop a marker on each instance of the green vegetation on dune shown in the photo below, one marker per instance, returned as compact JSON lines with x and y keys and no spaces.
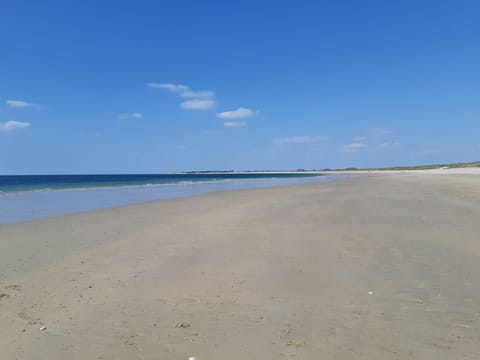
{"x":434,"y":166}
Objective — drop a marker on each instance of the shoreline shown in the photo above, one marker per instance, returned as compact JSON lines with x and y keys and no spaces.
{"x":37,"y":204}
{"x":40,"y":204}
{"x":380,"y":266}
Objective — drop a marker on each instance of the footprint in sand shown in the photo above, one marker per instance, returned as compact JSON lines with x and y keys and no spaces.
{"x":30,"y":320}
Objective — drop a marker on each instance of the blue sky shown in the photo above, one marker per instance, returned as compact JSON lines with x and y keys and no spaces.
{"x":159,"y":86}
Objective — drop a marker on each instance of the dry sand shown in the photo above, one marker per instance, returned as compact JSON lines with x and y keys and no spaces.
{"x":374,"y":267}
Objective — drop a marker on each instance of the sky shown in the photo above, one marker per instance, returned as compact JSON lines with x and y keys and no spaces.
{"x":163,"y":86}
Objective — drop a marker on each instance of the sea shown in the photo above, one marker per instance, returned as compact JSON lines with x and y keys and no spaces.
{"x":32,"y":197}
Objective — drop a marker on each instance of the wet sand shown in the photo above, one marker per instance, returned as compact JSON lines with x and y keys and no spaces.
{"x":384,"y":266}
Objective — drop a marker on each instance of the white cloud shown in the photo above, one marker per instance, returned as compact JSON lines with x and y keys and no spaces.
{"x":299,"y":139}
{"x":234,"y":124}
{"x":13,"y":125}
{"x":134,"y":115}
{"x":171,"y":87}
{"x":203,"y":94}
{"x":354,"y":147}
{"x":359,"y":138}
{"x":239,"y":113}
{"x":19,"y":103}
{"x":386,"y":144}
{"x":198,"y":104}
{"x":199,"y":100}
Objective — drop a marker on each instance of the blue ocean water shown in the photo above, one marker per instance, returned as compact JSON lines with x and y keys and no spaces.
{"x":9,"y":183}
{"x":30,"y":197}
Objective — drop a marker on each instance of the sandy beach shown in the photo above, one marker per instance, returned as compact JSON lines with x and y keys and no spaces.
{"x":379,"y":266}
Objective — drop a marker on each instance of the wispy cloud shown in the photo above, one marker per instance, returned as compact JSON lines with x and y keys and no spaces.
{"x":198,"y":104}
{"x":357,"y":145}
{"x":354,"y":147}
{"x":203,"y":94}
{"x":234,"y":124}
{"x":198,"y":100}
{"x":19,"y":104}
{"x":427,"y":152}
{"x":299,"y":139}
{"x":13,"y":125}
{"x":377,"y":137}
{"x":171,"y":87}
{"x":239,"y":113}
{"x":381,"y":132}
{"x":126,"y":116}
{"x":386,"y":144}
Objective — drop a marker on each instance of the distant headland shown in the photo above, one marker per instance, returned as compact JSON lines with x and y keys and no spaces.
{"x":474,"y":164}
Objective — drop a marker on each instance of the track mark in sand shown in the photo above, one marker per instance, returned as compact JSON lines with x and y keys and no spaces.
{"x":182,"y":325}
{"x":296,"y":344}
{"x":4,"y":296}
{"x":16,"y":287}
